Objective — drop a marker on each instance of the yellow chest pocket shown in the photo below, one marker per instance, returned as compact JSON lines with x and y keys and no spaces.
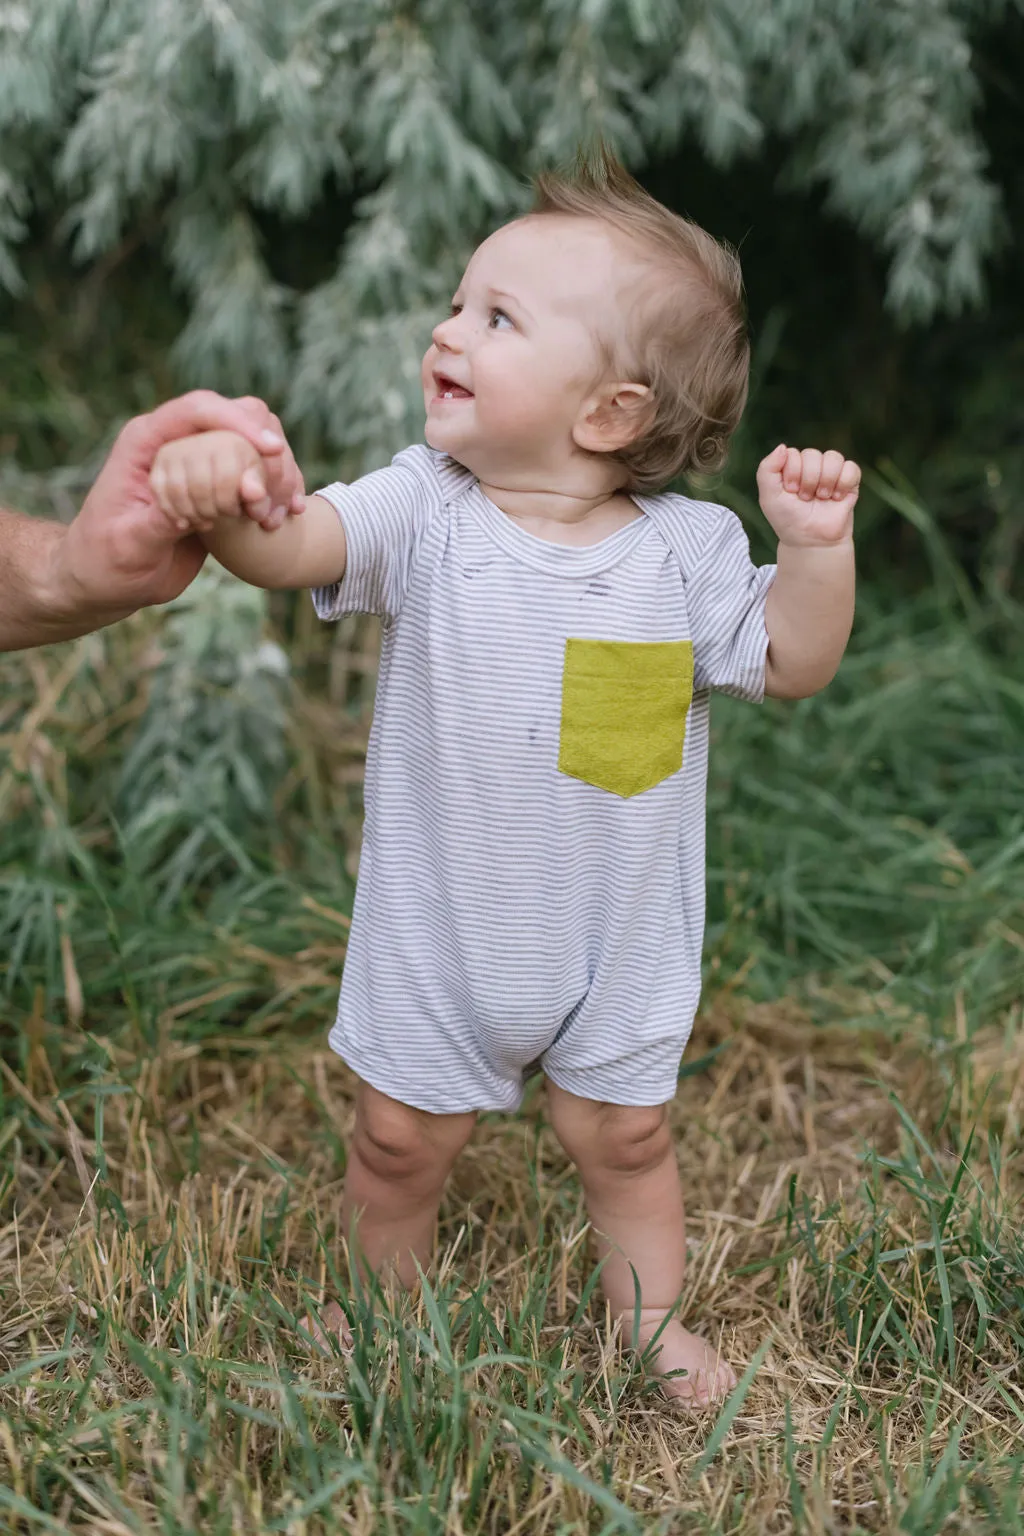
{"x":624,"y":706}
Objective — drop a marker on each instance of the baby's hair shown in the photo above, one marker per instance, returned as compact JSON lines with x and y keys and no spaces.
{"x":687,"y":335}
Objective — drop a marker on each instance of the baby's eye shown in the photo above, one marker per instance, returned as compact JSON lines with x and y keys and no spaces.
{"x":498,"y":316}
{"x":456,"y":309}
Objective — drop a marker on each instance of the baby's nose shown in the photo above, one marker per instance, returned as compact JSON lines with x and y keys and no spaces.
{"x":446,"y":334}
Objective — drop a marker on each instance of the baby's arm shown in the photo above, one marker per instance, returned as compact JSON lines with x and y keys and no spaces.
{"x":214,"y":484}
{"x":808,"y":498}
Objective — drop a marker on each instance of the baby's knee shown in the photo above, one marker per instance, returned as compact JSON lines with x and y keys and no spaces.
{"x":635,"y":1138}
{"x":393,"y":1143}
{"x":616,"y":1139}
{"x":390,"y":1142}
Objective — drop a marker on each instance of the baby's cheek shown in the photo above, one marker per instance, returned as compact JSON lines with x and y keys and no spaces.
{"x":527,"y":406}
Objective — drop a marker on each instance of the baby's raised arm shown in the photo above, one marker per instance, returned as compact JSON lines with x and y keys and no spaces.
{"x":808,"y":497}
{"x":214,"y":484}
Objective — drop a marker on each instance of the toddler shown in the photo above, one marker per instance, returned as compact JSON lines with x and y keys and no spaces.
{"x":531,"y":886}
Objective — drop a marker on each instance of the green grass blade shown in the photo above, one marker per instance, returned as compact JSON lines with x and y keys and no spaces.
{"x":948,"y":1333}
{"x":733,"y":1403}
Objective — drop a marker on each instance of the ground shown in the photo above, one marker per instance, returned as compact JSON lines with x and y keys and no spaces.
{"x":153,"y":1267}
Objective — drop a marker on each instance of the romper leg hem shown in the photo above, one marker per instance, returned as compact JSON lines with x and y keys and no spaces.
{"x":411,"y":1094}
{"x":641,"y":1080}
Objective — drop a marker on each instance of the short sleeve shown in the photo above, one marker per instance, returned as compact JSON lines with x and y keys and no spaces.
{"x":385,"y":515}
{"x":725,"y":596}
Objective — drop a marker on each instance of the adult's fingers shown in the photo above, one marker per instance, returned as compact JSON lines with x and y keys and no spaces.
{"x":285,"y":485}
{"x":201,"y":410}
{"x":283,"y":479}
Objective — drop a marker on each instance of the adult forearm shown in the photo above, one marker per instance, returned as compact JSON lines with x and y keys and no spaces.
{"x":809,"y":615}
{"x":37,"y":606}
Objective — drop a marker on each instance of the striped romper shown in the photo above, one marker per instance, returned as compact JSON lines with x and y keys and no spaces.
{"x":531,"y":883}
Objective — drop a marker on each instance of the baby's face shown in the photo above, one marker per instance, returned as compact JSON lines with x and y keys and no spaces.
{"x":509,"y":372}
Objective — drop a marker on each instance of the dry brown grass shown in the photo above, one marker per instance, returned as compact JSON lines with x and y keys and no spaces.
{"x":195,"y":1264}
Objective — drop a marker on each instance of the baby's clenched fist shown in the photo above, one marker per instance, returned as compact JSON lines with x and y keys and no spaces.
{"x":808,"y":496}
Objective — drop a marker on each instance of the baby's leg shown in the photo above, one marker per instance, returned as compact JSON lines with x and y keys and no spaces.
{"x":627,"y":1163}
{"x":398,"y":1163}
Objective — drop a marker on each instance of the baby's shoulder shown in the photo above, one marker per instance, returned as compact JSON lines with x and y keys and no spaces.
{"x":441,"y":476}
{"x":689,"y":527}
{"x":411,"y":491}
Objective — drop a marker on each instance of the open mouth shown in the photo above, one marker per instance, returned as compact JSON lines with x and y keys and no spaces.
{"x":448,"y":389}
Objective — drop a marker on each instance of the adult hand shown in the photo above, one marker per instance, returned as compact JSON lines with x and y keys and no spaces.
{"x":120,"y":553}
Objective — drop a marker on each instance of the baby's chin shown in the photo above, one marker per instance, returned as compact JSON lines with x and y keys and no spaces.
{"x":459,"y":446}
{"x":441,"y":434}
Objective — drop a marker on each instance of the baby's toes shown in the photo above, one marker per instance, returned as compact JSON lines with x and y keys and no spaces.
{"x":717,"y":1383}
{"x":329,"y":1330}
{"x":692,"y":1372}
{"x":701,"y":1389}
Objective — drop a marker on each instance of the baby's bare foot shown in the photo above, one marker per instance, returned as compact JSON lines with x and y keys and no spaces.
{"x":330,"y":1328}
{"x":708,"y":1379}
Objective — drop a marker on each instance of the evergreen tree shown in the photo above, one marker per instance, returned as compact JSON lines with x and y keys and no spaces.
{"x":220,"y":126}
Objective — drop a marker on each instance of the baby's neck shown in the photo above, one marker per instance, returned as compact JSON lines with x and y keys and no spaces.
{"x":562,"y":517}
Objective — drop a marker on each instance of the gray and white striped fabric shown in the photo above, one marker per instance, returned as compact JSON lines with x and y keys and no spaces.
{"x":507,"y":913}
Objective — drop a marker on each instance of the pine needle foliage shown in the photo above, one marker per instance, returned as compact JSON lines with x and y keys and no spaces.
{"x":219,"y":126}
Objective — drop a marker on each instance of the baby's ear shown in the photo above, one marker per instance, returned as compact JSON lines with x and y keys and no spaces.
{"x":611,"y":420}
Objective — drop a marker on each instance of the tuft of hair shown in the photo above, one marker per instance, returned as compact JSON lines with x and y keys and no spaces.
{"x":686,"y":335}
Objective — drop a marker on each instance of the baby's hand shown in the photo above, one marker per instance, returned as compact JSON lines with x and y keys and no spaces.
{"x":808,"y":497}
{"x":217,"y":474}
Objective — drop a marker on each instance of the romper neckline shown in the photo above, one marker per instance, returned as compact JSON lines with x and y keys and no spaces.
{"x":570,"y":560}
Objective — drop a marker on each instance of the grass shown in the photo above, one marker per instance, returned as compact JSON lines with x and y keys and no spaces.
{"x":179,"y":830}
